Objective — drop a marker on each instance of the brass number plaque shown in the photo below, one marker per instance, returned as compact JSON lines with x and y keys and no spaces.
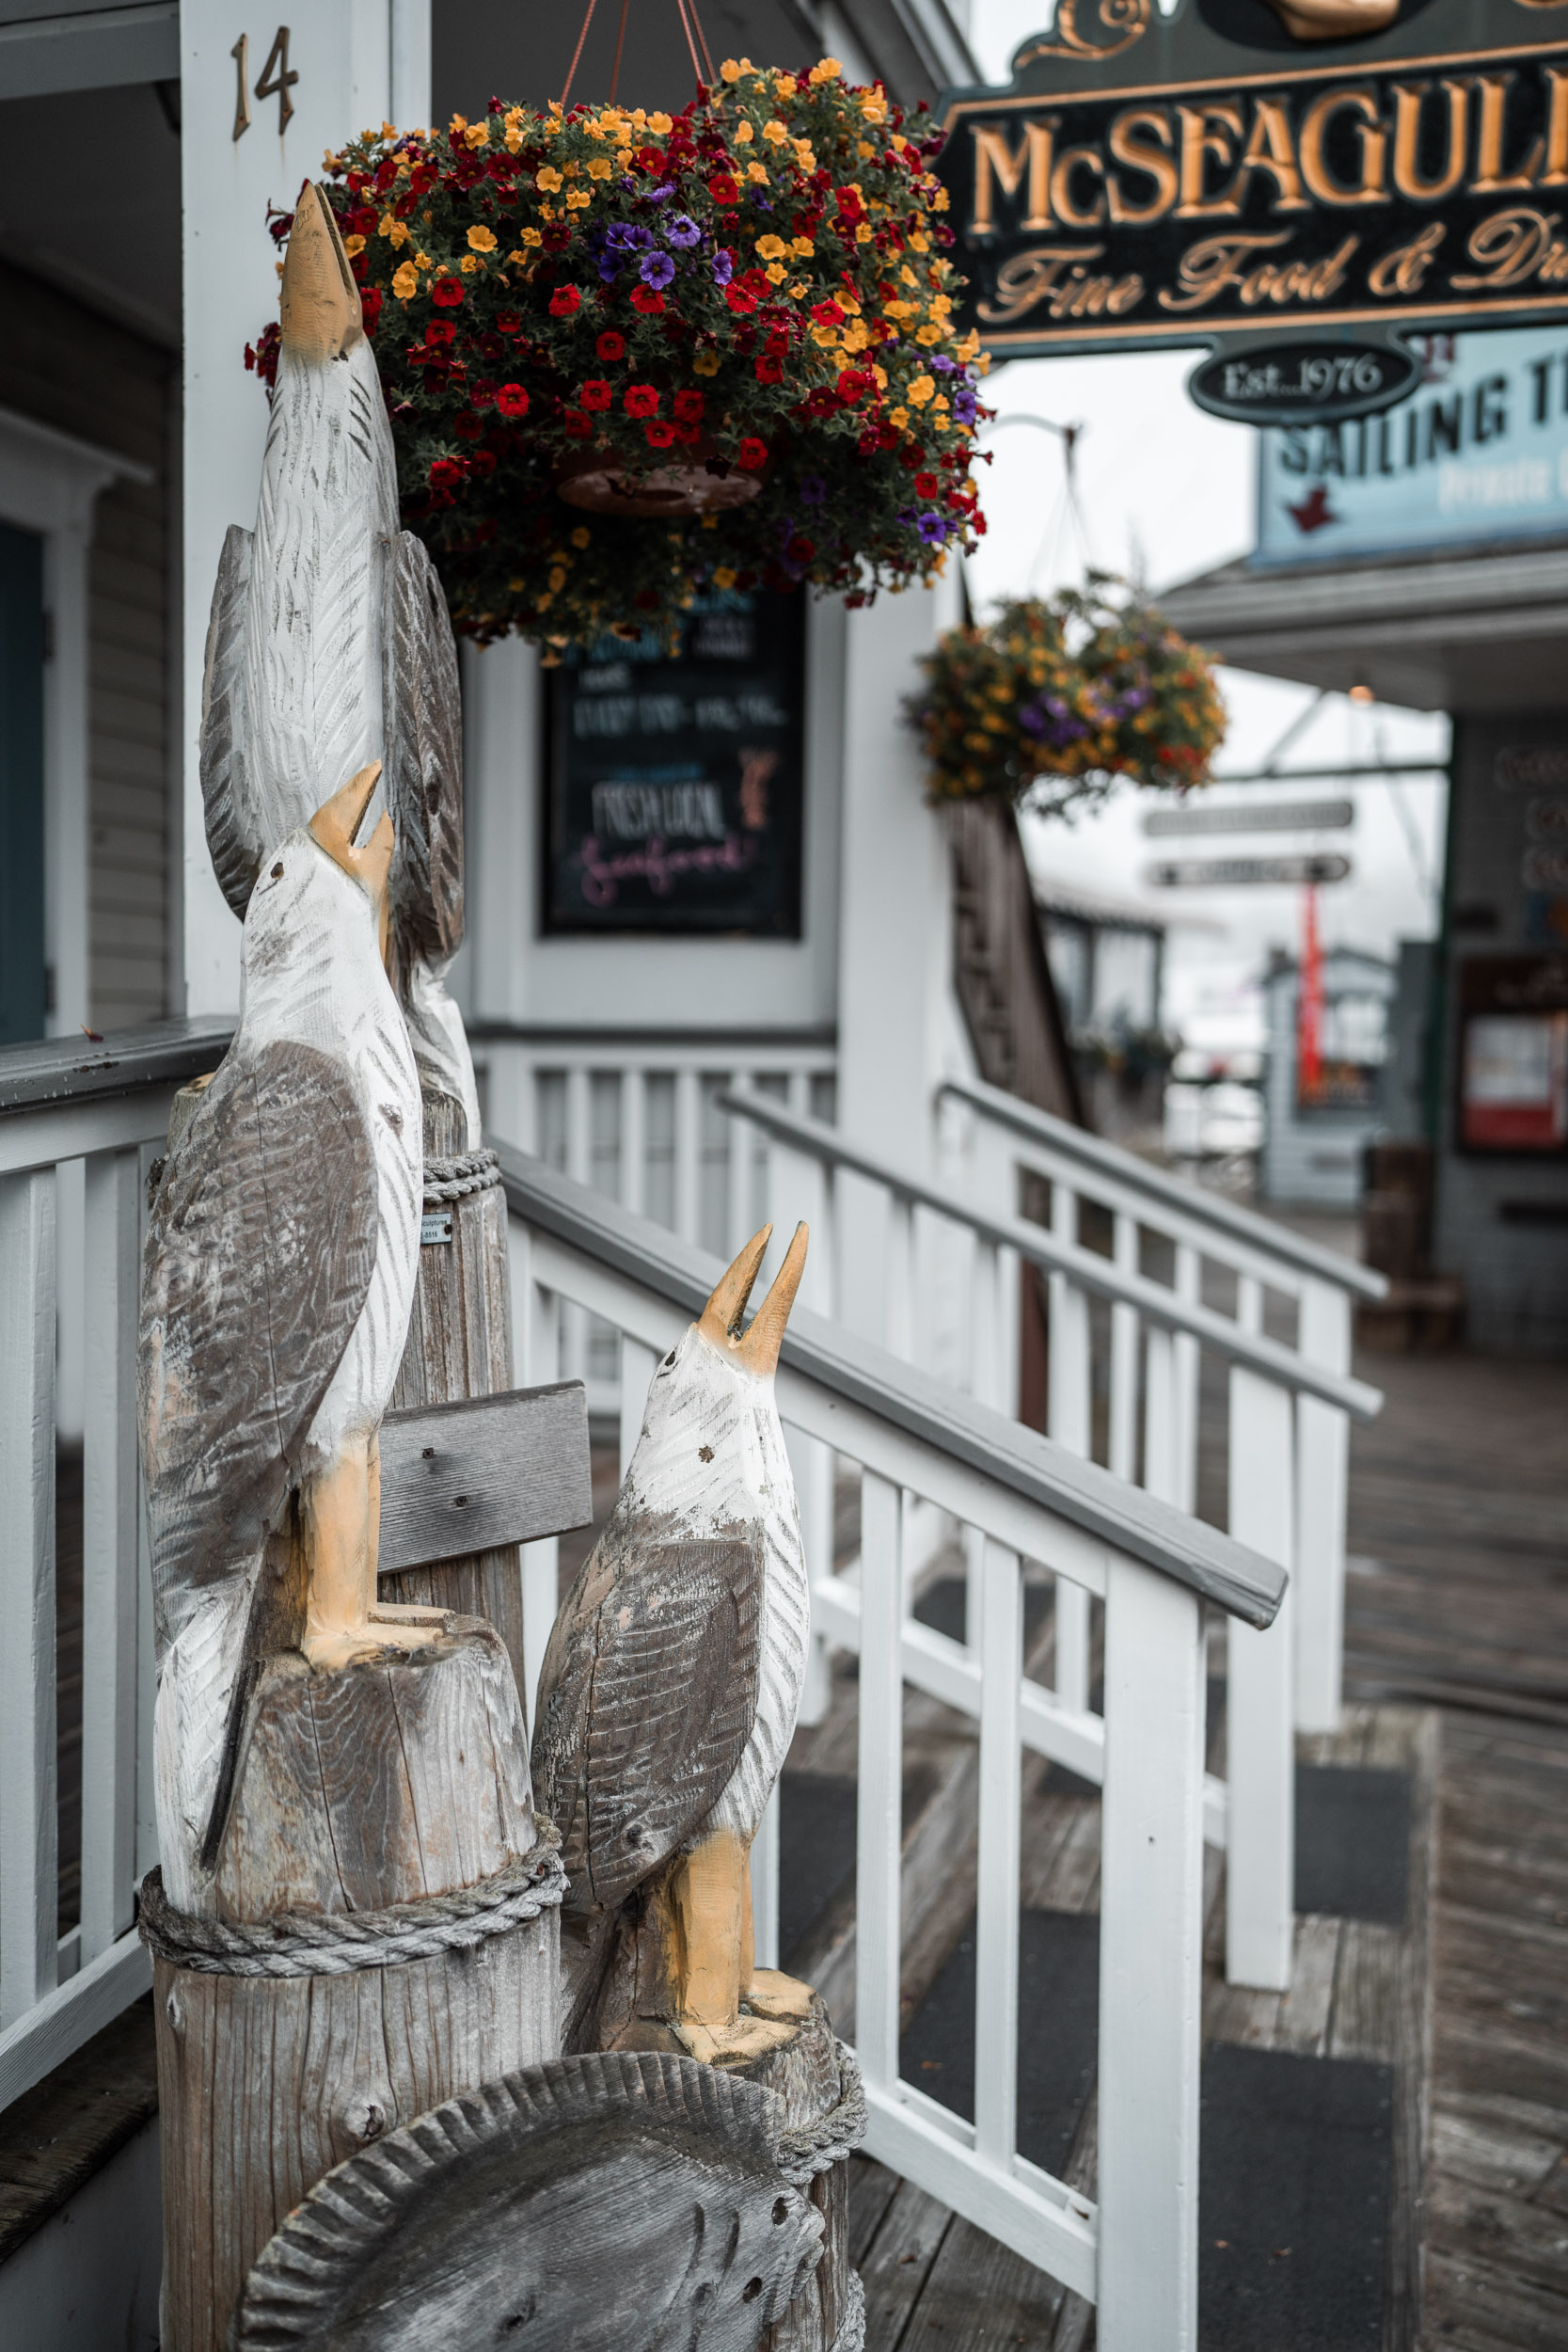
{"x":278,"y":79}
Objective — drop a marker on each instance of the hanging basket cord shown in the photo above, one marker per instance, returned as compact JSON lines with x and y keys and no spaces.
{"x":691,"y":25}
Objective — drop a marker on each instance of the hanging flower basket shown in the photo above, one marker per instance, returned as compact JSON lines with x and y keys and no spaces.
{"x":733,"y":322}
{"x":1054,"y":701}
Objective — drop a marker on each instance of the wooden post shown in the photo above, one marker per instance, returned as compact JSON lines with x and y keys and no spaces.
{"x":396,"y":1778}
{"x":460,"y":1345}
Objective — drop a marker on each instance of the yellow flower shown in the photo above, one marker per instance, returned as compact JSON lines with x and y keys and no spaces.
{"x":771,"y":248}
{"x":579,"y":199}
{"x":729,"y":71}
{"x":798,"y":291}
{"x":775,"y":272}
{"x":874,"y":106}
{"x":828,"y":71}
{"x":481,"y":240}
{"x":724,"y":577}
{"x":864,"y":150}
{"x":514,"y":139}
{"x":900,"y":416}
{"x":970,"y":344}
{"x":389,"y":130}
{"x":405,"y":281}
{"x":599,"y":167}
{"x":558,"y":581}
{"x":908,"y":274}
{"x":775,"y":134}
{"x":744,"y":134}
{"x":353,"y":246}
{"x":856,"y":336}
{"x":941,"y":201}
{"x":548,"y":177}
{"x":940,"y":405}
{"x":710,"y":520}
{"x":581,"y":535}
{"x":803,"y":246}
{"x":928,"y":334}
{"x":863,"y":233}
{"x":659,"y":122}
{"x":706,"y":364}
{"x":785,"y":85}
{"x":825,"y":338}
{"x":880,"y":375}
{"x":478,"y":134}
{"x":422,"y":260}
{"x":919,"y":240}
{"x":623,"y":156}
{"x":756,"y":171}
{"x":806,"y":154}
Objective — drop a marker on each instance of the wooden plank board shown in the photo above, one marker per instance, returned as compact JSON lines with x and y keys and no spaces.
{"x":487,"y":1471}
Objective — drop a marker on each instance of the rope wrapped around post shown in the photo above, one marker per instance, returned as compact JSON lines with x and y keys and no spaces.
{"x":336,"y":1943}
{"x":807,"y":2149}
{"x":447,"y":1180}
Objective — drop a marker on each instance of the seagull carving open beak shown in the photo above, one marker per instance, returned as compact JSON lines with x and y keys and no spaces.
{"x":334,"y":826}
{"x":318,"y":302}
{"x":758,"y":1347}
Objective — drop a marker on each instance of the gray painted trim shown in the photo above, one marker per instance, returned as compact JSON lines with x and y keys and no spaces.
{"x":73,"y":1069}
{"x":727,"y":1044}
{"x":1245,"y":1224}
{"x":1241,"y":1581}
{"x":1086,"y":1268}
{"x":103,"y":48}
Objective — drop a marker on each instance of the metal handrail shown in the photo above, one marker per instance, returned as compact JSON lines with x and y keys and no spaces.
{"x":1153,"y":1300}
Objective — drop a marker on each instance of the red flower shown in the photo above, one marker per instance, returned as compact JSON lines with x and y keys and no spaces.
{"x":612,"y":346}
{"x":659,"y":434}
{"x":852,"y":381}
{"x":688,"y":407}
{"x":445,"y":472}
{"x":740,"y":300}
{"x":724,"y":188}
{"x":440,"y":331}
{"x":575,"y":426}
{"x":801,"y":550}
{"x":512,"y":400}
{"x":564,"y":302}
{"x":928,"y":484}
{"x":752,"y":455}
{"x":508,"y":323}
{"x":826,"y":314}
{"x":769,"y":371}
{"x":467,"y":427}
{"x":648,"y":300}
{"x":448,"y":292}
{"x":482,"y":461}
{"x":641,"y":399}
{"x":369,"y":304}
{"x":597,"y":393}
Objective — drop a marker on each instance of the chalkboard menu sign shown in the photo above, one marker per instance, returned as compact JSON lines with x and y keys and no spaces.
{"x":674,"y":794}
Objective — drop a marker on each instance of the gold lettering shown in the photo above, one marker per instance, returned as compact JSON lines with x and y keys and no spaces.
{"x":1208,"y":267}
{"x":1403,"y":270}
{"x":996,"y":167}
{"x":1030,"y":278}
{"x":1556,"y":170}
{"x":1126,"y":150}
{"x":1510,"y":245}
{"x":1490,"y":180}
{"x":1206,"y":131}
{"x":1370,"y":189}
{"x":1297,"y":282}
{"x":1408,"y":100}
{"x":1269,"y":148}
{"x":1075,"y":159}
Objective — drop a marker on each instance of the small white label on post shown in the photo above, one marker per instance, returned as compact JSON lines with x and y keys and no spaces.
{"x":435,"y":1225}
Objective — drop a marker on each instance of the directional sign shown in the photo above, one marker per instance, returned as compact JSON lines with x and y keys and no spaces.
{"x":1154,"y":180}
{"x":1165,"y":825}
{"x":1226,"y":873}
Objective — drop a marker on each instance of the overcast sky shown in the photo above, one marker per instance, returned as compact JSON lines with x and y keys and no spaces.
{"x":1165,"y":492}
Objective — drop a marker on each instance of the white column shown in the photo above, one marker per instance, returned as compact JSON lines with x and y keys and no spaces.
{"x":341,"y":51}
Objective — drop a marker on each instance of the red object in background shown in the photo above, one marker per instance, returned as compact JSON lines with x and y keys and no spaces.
{"x":1309,"y":1002}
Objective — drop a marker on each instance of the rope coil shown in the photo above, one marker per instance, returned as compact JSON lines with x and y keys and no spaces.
{"x":456,"y":1179}
{"x":807,"y":2149}
{"x":338,"y":1943}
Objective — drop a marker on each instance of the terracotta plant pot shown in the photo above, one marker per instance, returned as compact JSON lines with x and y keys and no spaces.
{"x":689,"y":482}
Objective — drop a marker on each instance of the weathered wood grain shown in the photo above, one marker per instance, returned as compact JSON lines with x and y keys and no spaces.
{"x":804,"y":2074}
{"x":487,"y":1471}
{"x":600,"y":2203}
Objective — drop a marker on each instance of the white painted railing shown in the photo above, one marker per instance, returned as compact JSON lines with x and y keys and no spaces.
{"x":1151,"y":1568}
{"x":637,"y":1119}
{"x":78,"y":1126}
{"x":1285,"y":1424}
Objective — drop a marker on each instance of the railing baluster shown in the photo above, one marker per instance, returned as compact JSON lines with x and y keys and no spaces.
{"x":1259,"y":1714}
{"x":799,"y":1187}
{"x":900,"y":1310}
{"x":109,"y":1614}
{"x":1322,"y":1442}
{"x":1186,"y":1369}
{"x":1151,"y":1989}
{"x":1068,"y":1405}
{"x":996,"y":2023}
{"x":637,"y":1366}
{"x":536,"y":1315}
{"x":879,"y":1833}
{"x":738,"y":1227}
{"x":765,"y":1885}
{"x":633,"y":1140}
{"x":1123,"y":1452}
{"x":29,"y":1890}
{"x":689,"y":1151}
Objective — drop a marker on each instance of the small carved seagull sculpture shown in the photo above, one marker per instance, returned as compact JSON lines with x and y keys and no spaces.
{"x":278,"y":1281}
{"x":330,"y":645}
{"x":673,"y":1677}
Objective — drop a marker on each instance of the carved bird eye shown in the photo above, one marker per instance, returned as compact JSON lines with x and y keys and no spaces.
{"x":668,"y":1361}
{"x":751,"y":2289}
{"x":277,"y":871}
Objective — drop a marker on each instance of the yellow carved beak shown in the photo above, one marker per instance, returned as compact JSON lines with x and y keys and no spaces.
{"x":335,"y":824}
{"x":720,"y":1321}
{"x":318,"y":302}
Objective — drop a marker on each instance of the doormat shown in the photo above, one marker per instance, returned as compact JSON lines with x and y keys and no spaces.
{"x":1353,"y":1842}
{"x":1293,"y":2229}
{"x":1058,"y":2008}
{"x":817,"y":1851}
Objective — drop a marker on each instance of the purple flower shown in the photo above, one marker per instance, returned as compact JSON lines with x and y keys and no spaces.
{"x":964,"y":404}
{"x":682,"y":231}
{"x":940,"y":364}
{"x":656,"y":269}
{"x":659,"y":195}
{"x":932,"y":529}
{"x":723,"y":268}
{"x":813,"y":489}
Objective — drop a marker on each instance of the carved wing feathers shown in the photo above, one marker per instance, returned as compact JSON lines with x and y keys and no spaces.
{"x":647,"y":1698}
{"x":233,"y":827}
{"x":424,"y":790}
{"x":257,"y":1266}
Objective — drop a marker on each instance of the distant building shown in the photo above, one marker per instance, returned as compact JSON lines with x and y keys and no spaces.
{"x":1314,"y":1135}
{"x":1107,"y":958}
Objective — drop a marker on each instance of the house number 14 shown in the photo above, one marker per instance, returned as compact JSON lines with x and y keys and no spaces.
{"x":278,"y":79}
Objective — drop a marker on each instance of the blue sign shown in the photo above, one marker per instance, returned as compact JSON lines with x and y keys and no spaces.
{"x":1478,"y":453}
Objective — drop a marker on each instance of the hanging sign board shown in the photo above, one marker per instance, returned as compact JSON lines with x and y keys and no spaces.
{"x":1148,"y":181}
{"x":1237,"y":817}
{"x":1226,"y":873}
{"x":675,"y":780}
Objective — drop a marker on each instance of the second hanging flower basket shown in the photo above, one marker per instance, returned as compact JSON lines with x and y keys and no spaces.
{"x":734,"y":322}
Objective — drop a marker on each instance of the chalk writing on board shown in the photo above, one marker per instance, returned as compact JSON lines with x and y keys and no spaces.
{"x":675,"y":780}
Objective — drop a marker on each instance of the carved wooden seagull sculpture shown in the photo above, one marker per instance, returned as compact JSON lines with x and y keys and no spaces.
{"x":673,"y":1677}
{"x":278,"y":1280}
{"x":329,"y":645}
